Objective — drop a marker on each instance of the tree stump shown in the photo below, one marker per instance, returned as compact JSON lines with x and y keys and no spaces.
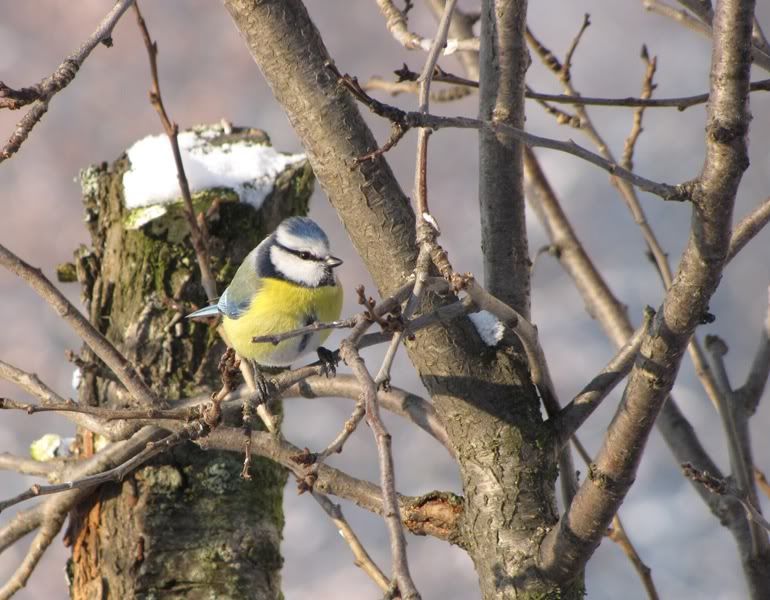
{"x":186,"y":525}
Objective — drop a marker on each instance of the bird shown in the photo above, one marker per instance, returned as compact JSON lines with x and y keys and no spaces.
{"x":284,"y":284}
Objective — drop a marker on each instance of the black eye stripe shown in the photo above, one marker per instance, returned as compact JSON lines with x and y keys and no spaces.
{"x":303,"y":254}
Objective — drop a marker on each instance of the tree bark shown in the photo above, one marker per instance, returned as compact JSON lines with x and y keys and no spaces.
{"x":503,"y":62}
{"x":483,"y":395}
{"x":185,"y":525}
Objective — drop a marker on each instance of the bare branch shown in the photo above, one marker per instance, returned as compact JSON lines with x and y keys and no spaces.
{"x":22,"y":523}
{"x":27,"y":466}
{"x":406,"y":77}
{"x":50,"y":515}
{"x":41,"y":94}
{"x":89,"y":481}
{"x":392,"y":515}
{"x":582,"y":406}
{"x":677,"y":193}
{"x":436,"y":513}
{"x":566,"y":548}
{"x":700,"y":24}
{"x":316,"y":326}
{"x":732,"y":413}
{"x":503,"y":62}
{"x":636,"y":130}
{"x":361,"y":556}
{"x":751,"y":391}
{"x":101,"y":346}
{"x":49,"y":529}
{"x":396,"y":24}
{"x":198,"y":232}
{"x":602,"y":304}
{"x":723,"y":487}
{"x":409,"y":406}
{"x":749,"y":227}
{"x":51,"y":401}
{"x":618,"y":535}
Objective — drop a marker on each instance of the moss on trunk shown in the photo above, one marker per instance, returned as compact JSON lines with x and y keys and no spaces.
{"x":186,"y":525}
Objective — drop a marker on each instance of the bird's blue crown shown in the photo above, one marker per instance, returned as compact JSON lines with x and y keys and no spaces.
{"x":304,"y":228}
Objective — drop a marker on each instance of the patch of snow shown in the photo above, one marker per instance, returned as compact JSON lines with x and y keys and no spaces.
{"x":244,"y":166}
{"x":77,"y":378}
{"x":489,"y":327}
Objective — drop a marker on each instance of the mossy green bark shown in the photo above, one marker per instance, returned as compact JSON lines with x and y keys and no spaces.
{"x":187,"y":525}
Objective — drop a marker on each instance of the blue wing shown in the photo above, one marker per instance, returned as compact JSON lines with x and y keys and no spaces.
{"x":242,"y":289}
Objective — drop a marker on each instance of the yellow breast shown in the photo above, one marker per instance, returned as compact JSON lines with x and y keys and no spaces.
{"x":280,"y":306}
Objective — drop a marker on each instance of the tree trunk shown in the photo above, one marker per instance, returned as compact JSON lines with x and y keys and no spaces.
{"x":484,"y":395}
{"x":184,"y":525}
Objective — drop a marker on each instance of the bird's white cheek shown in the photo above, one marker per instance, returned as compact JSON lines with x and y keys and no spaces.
{"x":305,"y":272}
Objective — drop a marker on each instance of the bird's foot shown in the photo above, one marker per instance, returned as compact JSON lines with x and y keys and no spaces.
{"x":329,"y":361}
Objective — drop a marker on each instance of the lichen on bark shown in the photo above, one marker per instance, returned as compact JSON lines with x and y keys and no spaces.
{"x":185,"y":525}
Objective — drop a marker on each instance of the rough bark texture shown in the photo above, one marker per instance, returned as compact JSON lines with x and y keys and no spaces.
{"x":186,"y":525}
{"x":483,"y":395}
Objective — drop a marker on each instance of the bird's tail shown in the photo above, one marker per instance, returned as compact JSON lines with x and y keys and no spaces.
{"x":209,"y":311}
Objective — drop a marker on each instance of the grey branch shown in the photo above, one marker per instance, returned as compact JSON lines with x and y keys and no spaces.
{"x":751,"y":391}
{"x":400,"y":402}
{"x":395,"y":21}
{"x":50,"y":514}
{"x":503,"y":63}
{"x":748,"y":228}
{"x":566,"y":548}
{"x":43,"y":92}
{"x":392,"y":514}
{"x":101,"y":346}
{"x":678,"y":193}
{"x":27,"y":466}
{"x":361,"y":556}
{"x":590,"y":397}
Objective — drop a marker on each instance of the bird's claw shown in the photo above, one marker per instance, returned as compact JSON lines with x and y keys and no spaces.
{"x":329,"y":361}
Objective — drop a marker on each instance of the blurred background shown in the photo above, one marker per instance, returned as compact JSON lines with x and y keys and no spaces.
{"x":207,"y":74}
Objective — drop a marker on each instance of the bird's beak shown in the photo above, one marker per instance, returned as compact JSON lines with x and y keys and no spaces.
{"x":332,"y":261}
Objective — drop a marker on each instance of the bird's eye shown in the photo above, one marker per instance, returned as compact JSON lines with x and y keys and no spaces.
{"x":305,"y":255}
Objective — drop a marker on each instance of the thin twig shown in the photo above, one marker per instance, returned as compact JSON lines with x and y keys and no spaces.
{"x":397,"y":401}
{"x":392,"y":515}
{"x":360,"y":555}
{"x":723,"y":487}
{"x":407,"y":77}
{"x":117,"y":473}
{"x":48,"y":531}
{"x":198,"y":230}
{"x":27,"y":466}
{"x":394,"y":88}
{"x":629,"y":195}
{"x":701,"y":25}
{"x":751,"y":391}
{"x":572,"y":416}
{"x":301,"y":331}
{"x":22,"y":523}
{"x":734,"y":423}
{"x":347,"y":430}
{"x":41,"y":94}
{"x":50,"y":514}
{"x":395,"y":21}
{"x":677,"y":193}
{"x":748,"y":228}
{"x":636,"y":130}
{"x":101,"y":346}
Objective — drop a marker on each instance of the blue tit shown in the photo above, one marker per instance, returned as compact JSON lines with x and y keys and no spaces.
{"x":285,"y":283}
